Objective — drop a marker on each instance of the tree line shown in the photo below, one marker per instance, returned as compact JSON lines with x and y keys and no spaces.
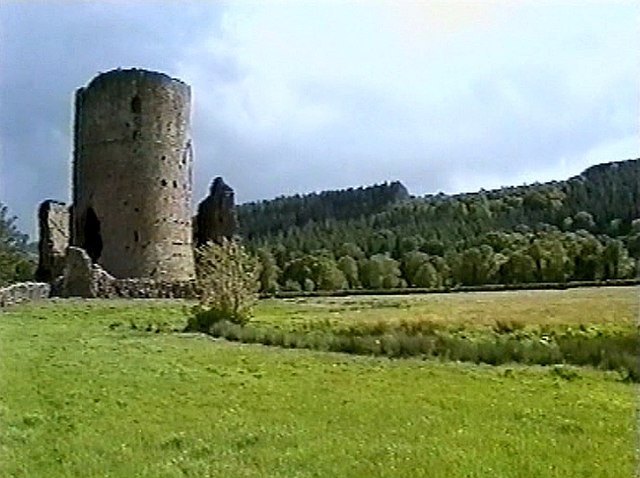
{"x":585,"y":228}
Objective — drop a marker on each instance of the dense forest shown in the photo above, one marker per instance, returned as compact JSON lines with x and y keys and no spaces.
{"x":586,"y":228}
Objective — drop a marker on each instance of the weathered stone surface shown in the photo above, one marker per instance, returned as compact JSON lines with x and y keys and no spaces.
{"x":151,"y":289}
{"x":130,"y":227}
{"x":132,"y":175}
{"x":81,"y":278}
{"x":77,"y":274}
{"x":53,"y":224}
{"x":24,"y":292}
{"x":216,"y":216}
{"x":103,"y":283}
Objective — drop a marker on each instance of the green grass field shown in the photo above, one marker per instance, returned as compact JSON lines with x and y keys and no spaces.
{"x":99,"y":388}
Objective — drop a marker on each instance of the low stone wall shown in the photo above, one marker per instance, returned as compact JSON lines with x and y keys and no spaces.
{"x":24,"y":292}
{"x":81,"y":278}
{"x":149,"y":289}
{"x":104,"y":286}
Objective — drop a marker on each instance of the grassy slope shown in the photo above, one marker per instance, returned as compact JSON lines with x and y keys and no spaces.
{"x":84,"y":396}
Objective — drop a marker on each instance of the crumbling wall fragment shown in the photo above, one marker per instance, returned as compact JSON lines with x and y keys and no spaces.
{"x":82,"y":278}
{"x":24,"y":292}
{"x":53,"y":224}
{"x":216,"y":216}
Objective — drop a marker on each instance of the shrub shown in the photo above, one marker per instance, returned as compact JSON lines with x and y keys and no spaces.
{"x":227,"y":277}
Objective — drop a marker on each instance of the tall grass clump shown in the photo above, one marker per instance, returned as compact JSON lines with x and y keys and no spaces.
{"x":510,"y":345}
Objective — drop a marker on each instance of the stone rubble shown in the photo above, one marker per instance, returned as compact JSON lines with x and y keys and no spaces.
{"x":24,"y":292}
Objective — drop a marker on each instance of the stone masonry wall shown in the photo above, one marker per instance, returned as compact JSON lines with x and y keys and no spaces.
{"x":53,"y":225}
{"x":140,"y":289}
{"x":132,"y":179}
{"x":81,"y":278}
{"x":23,"y":292}
{"x":152,"y":289}
{"x":116,"y":288}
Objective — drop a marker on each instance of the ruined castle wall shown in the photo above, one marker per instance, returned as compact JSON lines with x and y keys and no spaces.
{"x":132,"y":183}
{"x":53,"y":225}
{"x":216,"y":218}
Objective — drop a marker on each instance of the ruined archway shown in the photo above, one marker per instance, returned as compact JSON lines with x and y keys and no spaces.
{"x":92,"y":238}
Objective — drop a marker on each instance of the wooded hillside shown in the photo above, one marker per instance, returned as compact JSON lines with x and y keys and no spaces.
{"x":584,"y":228}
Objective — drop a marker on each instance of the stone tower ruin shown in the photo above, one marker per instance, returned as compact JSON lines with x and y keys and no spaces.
{"x":132,"y":175}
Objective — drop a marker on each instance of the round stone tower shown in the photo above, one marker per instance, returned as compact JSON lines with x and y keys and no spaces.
{"x":132,"y":175}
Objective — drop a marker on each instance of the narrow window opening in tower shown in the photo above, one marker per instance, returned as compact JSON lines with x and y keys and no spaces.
{"x":136,"y":105}
{"x":163,"y":182}
{"x":136,"y":236}
{"x":92,"y":238}
{"x":187,"y":154}
{"x":175,"y":184}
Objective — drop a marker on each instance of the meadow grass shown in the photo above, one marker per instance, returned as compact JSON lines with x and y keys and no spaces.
{"x":593,"y":327}
{"x":613,"y":307}
{"x":103,"y":388}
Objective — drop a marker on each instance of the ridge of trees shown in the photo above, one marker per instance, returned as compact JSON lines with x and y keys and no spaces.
{"x":261,"y":218}
{"x":584,"y":228}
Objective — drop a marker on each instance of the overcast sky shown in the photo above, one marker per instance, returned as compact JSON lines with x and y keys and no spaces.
{"x":294,"y":97}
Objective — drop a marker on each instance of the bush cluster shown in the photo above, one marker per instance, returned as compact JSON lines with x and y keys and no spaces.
{"x":227,"y":279}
